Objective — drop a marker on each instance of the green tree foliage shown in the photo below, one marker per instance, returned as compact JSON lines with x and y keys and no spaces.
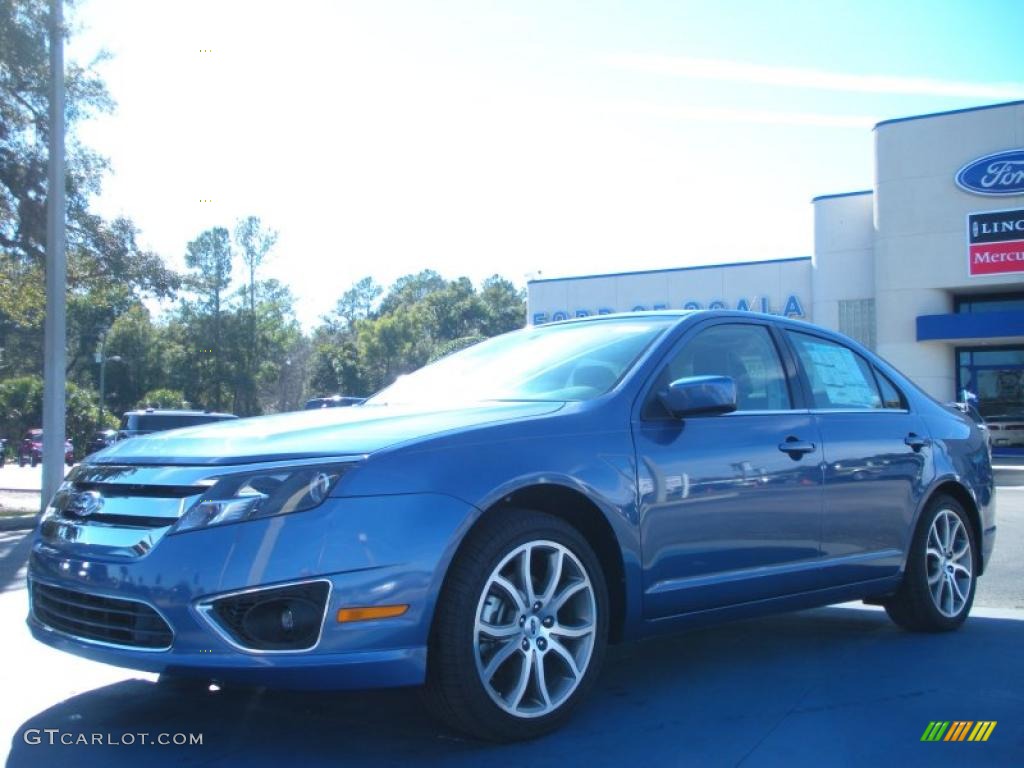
{"x":107,"y":270}
{"x":21,"y":409}
{"x":365,"y":344}
{"x":209,"y":256}
{"x":163,"y":398}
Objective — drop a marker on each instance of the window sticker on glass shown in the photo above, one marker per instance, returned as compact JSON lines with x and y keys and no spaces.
{"x":837,"y":376}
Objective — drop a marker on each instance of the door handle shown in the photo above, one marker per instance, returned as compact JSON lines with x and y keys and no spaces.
{"x":915,"y":441}
{"x":796,"y":447}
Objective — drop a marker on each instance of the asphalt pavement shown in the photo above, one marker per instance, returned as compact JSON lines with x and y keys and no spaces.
{"x":834,"y":686}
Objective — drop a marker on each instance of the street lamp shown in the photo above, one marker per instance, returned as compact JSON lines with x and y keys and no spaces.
{"x":101,"y":359}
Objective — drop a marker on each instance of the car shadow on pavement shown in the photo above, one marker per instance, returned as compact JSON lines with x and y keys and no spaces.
{"x":835,"y":685}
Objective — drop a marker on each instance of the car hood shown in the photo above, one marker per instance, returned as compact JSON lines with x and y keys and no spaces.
{"x":309,"y":434}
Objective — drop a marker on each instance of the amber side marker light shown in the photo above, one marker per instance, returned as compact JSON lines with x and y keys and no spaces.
{"x":372,"y":612}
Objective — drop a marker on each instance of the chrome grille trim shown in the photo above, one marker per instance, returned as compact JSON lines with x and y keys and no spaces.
{"x":34,"y":611}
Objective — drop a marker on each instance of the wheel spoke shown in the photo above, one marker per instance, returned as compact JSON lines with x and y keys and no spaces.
{"x":540,"y":680}
{"x":957,"y":568}
{"x":563,"y":597}
{"x":525,"y":575}
{"x":959,"y":592}
{"x":516,"y":696}
{"x":498,"y":632}
{"x":961,"y":553}
{"x":499,"y":658}
{"x":932,"y":552}
{"x":570,"y":661}
{"x":510,"y":589}
{"x":556,"y":576}
{"x":563,"y":631}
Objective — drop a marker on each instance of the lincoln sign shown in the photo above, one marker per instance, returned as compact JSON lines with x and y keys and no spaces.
{"x":995,"y":242}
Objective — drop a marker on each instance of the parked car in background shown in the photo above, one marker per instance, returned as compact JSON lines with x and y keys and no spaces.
{"x":30,"y":449}
{"x":334,"y":401}
{"x":100,"y":439}
{"x":1007,"y":428}
{"x":3,"y":451}
{"x":486,"y":525}
{"x":975,"y":415}
{"x":144,"y":422}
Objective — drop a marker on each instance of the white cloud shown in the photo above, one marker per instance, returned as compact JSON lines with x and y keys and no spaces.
{"x":747,"y":116}
{"x":798,"y":77}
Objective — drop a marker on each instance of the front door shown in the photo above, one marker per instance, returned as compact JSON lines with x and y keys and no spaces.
{"x":730,"y":504}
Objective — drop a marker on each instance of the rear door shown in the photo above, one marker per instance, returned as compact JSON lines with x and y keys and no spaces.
{"x":875,"y":455}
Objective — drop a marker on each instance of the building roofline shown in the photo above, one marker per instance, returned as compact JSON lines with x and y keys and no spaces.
{"x":843,"y":194}
{"x":671,"y":269}
{"x":983,"y":107}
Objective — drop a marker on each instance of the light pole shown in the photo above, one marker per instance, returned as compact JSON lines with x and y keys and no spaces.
{"x":55,"y":326}
{"x":102,"y":359}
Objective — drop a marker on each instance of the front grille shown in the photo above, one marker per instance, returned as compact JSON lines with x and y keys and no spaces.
{"x":103,"y":619}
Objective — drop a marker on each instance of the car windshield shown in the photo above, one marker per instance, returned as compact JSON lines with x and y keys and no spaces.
{"x":571,"y":361}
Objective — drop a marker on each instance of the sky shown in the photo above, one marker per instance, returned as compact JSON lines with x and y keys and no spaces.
{"x":532,"y":138}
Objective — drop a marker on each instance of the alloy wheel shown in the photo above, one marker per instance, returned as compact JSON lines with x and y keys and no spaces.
{"x":535,"y":628}
{"x":949,"y":563}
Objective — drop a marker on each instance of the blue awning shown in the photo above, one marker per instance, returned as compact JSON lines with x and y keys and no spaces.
{"x":979,"y":325}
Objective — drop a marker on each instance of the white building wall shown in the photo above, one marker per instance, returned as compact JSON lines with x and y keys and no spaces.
{"x":844,"y":237}
{"x":920,"y":230}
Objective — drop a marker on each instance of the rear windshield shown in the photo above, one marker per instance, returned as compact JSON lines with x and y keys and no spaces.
{"x":159,"y":422}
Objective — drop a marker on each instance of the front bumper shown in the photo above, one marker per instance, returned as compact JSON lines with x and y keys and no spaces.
{"x":378,"y":550}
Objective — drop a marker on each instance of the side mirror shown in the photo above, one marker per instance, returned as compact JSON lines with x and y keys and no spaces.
{"x":699,"y":395}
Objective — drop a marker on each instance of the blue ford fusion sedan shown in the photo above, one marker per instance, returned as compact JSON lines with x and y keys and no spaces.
{"x":485,"y":526}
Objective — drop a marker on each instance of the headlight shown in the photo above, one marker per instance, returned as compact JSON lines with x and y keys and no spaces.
{"x":252,"y":495}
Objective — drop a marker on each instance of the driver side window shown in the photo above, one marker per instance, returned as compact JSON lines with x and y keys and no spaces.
{"x":746,"y":354}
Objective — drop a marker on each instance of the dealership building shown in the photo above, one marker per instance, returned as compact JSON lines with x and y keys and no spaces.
{"x":926,"y":268}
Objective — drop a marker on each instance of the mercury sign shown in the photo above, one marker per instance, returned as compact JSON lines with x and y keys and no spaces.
{"x":999,"y":174}
{"x":792,"y":308}
{"x":995,"y":242}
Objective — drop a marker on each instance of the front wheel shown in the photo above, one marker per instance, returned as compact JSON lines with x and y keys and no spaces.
{"x":520,"y":629}
{"x":942,"y":571}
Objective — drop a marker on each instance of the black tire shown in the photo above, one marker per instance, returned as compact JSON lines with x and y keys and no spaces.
{"x":32,"y":461}
{"x":454,"y":691}
{"x":913,"y":606}
{"x":21,"y":460}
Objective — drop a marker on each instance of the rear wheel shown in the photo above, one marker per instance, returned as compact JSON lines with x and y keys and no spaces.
{"x":941,"y":574}
{"x":520,"y":629}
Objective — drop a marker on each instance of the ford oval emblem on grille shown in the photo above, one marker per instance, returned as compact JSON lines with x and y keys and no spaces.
{"x":85,"y":503}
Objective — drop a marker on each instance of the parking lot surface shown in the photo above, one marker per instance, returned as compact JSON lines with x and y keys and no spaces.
{"x":833,"y":686}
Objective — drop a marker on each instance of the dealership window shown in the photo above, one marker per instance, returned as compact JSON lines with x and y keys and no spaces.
{"x":989,"y":302}
{"x":994,"y":376}
{"x":857,"y":320}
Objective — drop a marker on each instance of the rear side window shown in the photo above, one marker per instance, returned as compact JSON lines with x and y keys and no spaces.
{"x":891,"y":396}
{"x":839,"y":377}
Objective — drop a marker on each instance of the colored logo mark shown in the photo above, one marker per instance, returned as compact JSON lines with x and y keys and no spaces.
{"x":958,"y":730}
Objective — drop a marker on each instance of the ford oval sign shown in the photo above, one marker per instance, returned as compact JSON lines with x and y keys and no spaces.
{"x":998,"y":174}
